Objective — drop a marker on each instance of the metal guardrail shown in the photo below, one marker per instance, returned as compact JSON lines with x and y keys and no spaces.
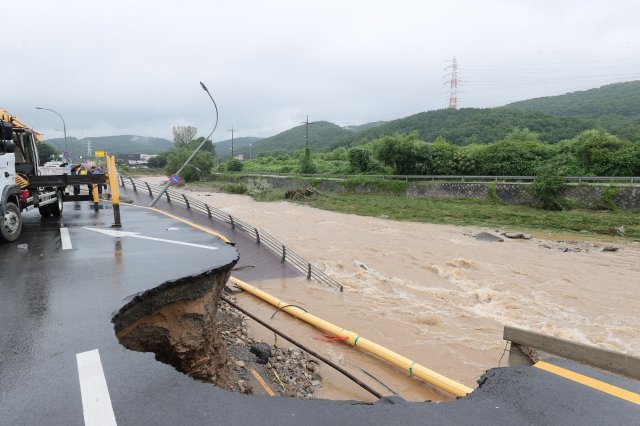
{"x":461,"y":178}
{"x":259,"y":235}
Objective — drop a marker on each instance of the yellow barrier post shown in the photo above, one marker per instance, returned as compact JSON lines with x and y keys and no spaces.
{"x":414,"y":369}
{"x":95,"y":196}
{"x":115,"y":190}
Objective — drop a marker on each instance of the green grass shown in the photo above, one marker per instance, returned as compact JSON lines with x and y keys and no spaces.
{"x":483,"y":213}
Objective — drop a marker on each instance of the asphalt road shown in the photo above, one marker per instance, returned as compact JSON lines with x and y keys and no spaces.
{"x":56,"y":304}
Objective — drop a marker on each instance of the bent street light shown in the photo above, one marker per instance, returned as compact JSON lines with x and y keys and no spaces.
{"x":166,"y":185}
{"x":64,"y":126}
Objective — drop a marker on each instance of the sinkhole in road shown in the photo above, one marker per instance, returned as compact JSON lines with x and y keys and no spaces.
{"x":186,"y":325}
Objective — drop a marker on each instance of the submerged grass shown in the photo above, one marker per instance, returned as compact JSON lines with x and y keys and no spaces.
{"x":483,"y":213}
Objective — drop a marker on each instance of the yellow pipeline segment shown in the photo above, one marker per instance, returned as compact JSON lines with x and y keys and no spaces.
{"x":413,"y":368}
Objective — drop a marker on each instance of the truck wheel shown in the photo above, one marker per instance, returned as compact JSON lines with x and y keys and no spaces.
{"x":11,"y":225}
{"x":45,"y":210}
{"x":56,"y":208}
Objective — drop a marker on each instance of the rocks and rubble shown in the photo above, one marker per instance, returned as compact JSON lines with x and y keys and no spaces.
{"x":287,"y":371}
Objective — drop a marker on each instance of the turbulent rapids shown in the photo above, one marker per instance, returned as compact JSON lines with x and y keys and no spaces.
{"x":435,"y":293}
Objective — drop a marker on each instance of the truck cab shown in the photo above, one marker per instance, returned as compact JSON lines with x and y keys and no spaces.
{"x":19,"y":164}
{"x":11,"y":223}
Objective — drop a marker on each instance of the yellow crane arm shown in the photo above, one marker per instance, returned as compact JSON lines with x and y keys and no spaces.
{"x":17,"y":123}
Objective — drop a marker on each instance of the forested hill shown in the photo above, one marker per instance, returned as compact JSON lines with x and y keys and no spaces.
{"x":619,"y":99}
{"x":123,"y":144}
{"x":223,"y":148}
{"x":469,"y":125}
{"x":321,"y":135}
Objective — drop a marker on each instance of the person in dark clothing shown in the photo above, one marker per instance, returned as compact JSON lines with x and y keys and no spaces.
{"x":74,"y":171}
{"x":99,"y":171}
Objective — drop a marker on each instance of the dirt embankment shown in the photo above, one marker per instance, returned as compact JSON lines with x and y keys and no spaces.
{"x":186,"y":325}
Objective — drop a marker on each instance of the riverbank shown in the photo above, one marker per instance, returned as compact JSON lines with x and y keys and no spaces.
{"x":434,"y":293}
{"x":610,"y":225}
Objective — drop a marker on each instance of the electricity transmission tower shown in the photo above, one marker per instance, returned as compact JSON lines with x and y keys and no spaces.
{"x":453,"y":83}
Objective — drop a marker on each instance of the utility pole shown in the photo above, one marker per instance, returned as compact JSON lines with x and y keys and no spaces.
{"x":232,"y":131}
{"x":453,"y":84}
{"x":306,"y":132}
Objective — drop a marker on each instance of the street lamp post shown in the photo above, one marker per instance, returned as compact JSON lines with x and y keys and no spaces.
{"x":193,"y":154}
{"x":64,"y":126}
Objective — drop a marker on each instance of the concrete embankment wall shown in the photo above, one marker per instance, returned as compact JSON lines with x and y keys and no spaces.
{"x":583,"y":195}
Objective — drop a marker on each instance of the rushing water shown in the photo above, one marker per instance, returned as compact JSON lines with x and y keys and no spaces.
{"x":437,"y":295}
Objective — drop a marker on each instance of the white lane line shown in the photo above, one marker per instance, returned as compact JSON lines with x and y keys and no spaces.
{"x":121,"y":234}
{"x":66,"y":239}
{"x":96,"y":403}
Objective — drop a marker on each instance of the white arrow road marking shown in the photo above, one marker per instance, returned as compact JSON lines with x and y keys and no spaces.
{"x":96,"y":403}
{"x":120,"y":234}
{"x":66,"y":240}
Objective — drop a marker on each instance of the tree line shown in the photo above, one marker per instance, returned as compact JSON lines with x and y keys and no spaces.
{"x":521,"y":153}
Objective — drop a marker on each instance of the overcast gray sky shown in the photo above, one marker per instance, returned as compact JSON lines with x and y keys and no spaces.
{"x":133,"y":67}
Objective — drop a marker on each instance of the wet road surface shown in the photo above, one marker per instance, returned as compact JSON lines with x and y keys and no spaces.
{"x":57,"y":302}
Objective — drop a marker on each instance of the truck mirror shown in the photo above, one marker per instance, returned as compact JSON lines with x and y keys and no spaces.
{"x":6,"y":131}
{"x":6,"y":138}
{"x":7,"y":147}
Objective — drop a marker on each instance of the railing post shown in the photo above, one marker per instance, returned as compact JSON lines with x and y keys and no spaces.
{"x":149,"y":189}
{"x":208,"y":210}
{"x":186,"y":202}
{"x":284,"y":253}
{"x":233,"y":224}
{"x":257,"y":235}
{"x":168,"y":198}
{"x":308,"y":271}
{"x":134,"y":185}
{"x":121,"y":180}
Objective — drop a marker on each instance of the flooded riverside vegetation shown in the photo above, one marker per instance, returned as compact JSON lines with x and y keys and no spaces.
{"x":437,"y":295}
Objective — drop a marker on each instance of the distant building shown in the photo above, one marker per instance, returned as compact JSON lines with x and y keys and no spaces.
{"x":124,"y":158}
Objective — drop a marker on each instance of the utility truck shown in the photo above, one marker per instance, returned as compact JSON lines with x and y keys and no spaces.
{"x":24,"y":185}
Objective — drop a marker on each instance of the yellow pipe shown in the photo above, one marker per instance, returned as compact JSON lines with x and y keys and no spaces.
{"x":413,"y":368}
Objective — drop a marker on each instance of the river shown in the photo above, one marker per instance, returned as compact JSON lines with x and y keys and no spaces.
{"x":437,"y":295}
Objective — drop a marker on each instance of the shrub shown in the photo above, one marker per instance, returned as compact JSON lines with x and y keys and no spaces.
{"x":608,"y":198}
{"x":198,"y":168}
{"x":258,"y":186}
{"x":235,"y":188}
{"x":360,"y":160}
{"x":546,"y":189}
{"x":234,"y":165}
{"x":492,"y":192}
{"x":307,"y":166}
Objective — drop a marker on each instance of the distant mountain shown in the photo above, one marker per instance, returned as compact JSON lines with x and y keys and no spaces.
{"x":365,"y":126}
{"x":223,"y":148}
{"x":124,"y":144}
{"x":469,"y":125}
{"x":619,"y":99}
{"x":321,"y":135}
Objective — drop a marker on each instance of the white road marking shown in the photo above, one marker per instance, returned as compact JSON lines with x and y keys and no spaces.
{"x":96,"y":403}
{"x":120,"y":234}
{"x":66,"y":240}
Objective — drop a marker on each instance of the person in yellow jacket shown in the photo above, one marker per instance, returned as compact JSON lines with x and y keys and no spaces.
{"x":83,"y":171}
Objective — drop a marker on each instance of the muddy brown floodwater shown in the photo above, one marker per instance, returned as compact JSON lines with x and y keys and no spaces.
{"x":437,"y":295}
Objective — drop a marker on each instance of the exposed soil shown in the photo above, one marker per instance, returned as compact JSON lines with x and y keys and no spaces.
{"x":208,"y":340}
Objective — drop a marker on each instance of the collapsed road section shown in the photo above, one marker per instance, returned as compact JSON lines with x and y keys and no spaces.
{"x":62,"y":362}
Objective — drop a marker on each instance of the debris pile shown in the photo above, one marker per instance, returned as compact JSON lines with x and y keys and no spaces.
{"x":300,"y":194}
{"x":286,"y":371}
